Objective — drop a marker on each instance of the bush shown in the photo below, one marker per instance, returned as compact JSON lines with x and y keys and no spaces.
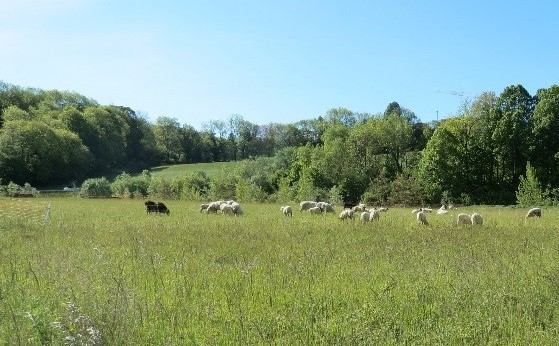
{"x":95,"y":188}
{"x":405,"y":190}
{"x":195,"y":186}
{"x":14,"y":190}
{"x":160,"y":187}
{"x":222,"y":186}
{"x":125,"y":185}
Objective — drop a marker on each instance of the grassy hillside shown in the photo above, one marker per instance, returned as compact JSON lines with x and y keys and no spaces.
{"x":105,"y":272}
{"x":178,"y":170}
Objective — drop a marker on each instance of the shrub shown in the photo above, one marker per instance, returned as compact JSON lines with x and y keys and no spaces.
{"x":14,"y":190}
{"x":95,"y":187}
{"x":125,"y":185}
{"x":195,"y":186}
{"x":222,"y":186}
{"x":160,"y":187}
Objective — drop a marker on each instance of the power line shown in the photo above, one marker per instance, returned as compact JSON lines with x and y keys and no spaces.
{"x":452,"y":92}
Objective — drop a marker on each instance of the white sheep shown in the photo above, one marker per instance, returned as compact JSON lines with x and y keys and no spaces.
{"x":374,"y":214}
{"x":416,"y":210}
{"x":534,"y":212}
{"x":383,"y":209}
{"x":359,"y":207}
{"x":315,"y":210}
{"x":346,"y":214}
{"x":477,"y":219}
{"x":286,"y":210}
{"x":427,"y":210}
{"x":226,"y":209}
{"x":306,"y":205}
{"x":422,"y":218}
{"x":364,"y":217}
{"x":213,"y":207}
{"x":237,"y":209}
{"x":464,"y":219}
{"x":326,"y":207}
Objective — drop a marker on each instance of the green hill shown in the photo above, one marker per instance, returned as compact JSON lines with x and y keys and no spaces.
{"x":210,"y":169}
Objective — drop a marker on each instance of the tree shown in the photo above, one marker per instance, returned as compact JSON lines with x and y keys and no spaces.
{"x":394,"y":134}
{"x":511,"y":121}
{"x":105,"y":136}
{"x":341,"y":116}
{"x":192,"y":146}
{"x":16,"y":113}
{"x":140,"y":145}
{"x":168,"y":137}
{"x":529,"y":189}
{"x":544,"y":149}
{"x":31,"y":151}
{"x":453,"y":161}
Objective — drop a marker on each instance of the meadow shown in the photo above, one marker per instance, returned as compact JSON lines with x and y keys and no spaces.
{"x":210,"y":169}
{"x":102,"y":271}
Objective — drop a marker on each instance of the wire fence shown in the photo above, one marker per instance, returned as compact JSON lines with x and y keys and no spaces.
{"x":25,"y":209}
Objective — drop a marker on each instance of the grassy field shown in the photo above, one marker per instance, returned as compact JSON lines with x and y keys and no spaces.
{"x":105,"y":272}
{"x":178,"y":170}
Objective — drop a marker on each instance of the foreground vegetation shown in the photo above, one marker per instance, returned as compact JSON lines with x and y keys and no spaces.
{"x":104,"y":272}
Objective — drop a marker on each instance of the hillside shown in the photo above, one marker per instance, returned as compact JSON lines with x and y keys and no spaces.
{"x":210,"y":169}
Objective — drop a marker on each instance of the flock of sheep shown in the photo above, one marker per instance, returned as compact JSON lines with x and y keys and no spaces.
{"x":232,"y":207}
{"x":373,"y":214}
{"x":317,"y":208}
{"x":462,"y":218}
{"x":225,"y":207}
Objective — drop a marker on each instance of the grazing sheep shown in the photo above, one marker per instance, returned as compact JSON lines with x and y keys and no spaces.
{"x":464,"y":219}
{"x":156,"y":207}
{"x":477,"y":219}
{"x":422,"y":218}
{"x":427,"y":210}
{"x":213,"y":207}
{"x":226,"y":209}
{"x":204,"y":206}
{"x":237,"y":209}
{"x":364,"y":217}
{"x":374,"y":214}
{"x":306,"y":205}
{"x":359,"y":207}
{"x":315,"y":210}
{"x":416,"y":210}
{"x":286,"y":210}
{"x":383,"y":209}
{"x":534,"y":212}
{"x":326,"y":207}
{"x":346,"y":214}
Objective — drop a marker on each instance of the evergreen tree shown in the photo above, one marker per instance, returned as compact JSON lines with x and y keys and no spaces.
{"x":529,"y":190}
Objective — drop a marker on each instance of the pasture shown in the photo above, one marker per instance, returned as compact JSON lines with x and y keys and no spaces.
{"x":211,"y":169}
{"x":105,"y":272}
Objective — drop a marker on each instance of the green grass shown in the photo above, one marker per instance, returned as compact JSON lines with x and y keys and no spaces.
{"x":210,"y":169}
{"x":105,"y":266}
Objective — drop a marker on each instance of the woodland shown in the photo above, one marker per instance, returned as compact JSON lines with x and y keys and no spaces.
{"x":497,"y":149}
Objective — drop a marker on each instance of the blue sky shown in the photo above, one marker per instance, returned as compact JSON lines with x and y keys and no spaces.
{"x":279,"y":61}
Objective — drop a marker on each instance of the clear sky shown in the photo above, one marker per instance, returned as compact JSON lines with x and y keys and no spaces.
{"x":279,"y":61}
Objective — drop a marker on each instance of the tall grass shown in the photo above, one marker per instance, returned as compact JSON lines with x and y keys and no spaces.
{"x":105,"y":272}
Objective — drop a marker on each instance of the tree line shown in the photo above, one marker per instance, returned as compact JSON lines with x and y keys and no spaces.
{"x":482,"y":154}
